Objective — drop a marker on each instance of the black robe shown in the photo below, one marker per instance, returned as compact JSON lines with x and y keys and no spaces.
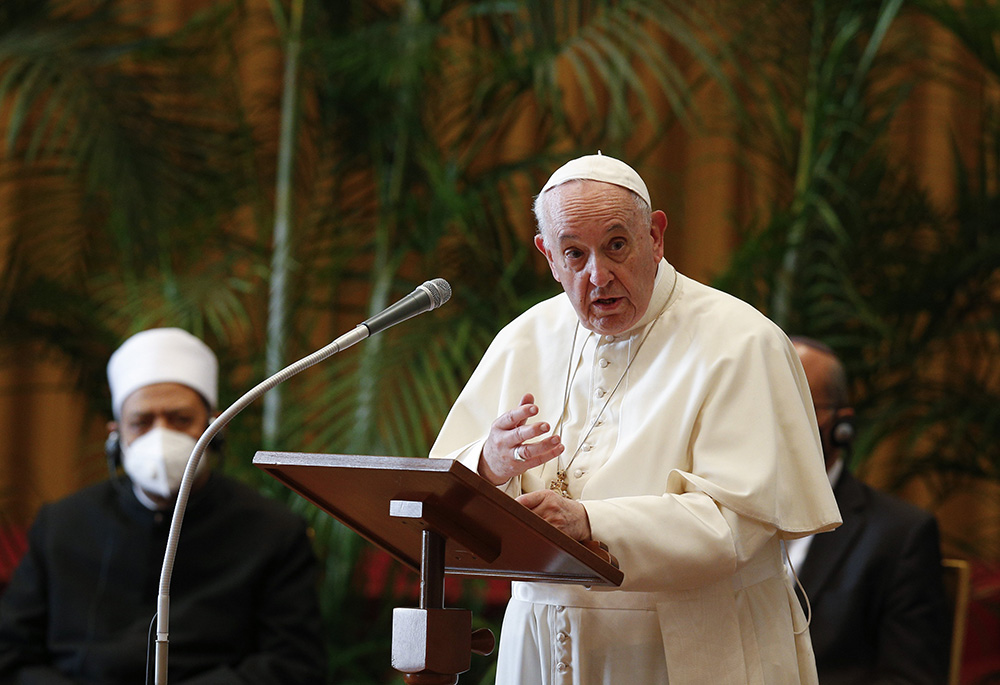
{"x":875,"y":585}
{"x":243,"y":594}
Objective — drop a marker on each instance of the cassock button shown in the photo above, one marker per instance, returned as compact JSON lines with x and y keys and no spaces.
{"x":561,"y":667}
{"x":587,"y":447}
{"x":603,"y":362}
{"x":561,"y":637}
{"x":609,"y":338}
{"x":559,"y":608}
{"x":600,"y":392}
{"x":578,"y":473}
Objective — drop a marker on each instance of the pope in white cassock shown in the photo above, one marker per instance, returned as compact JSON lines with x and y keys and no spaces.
{"x":664,"y":418}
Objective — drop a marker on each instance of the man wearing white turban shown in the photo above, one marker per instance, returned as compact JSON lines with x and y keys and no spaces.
{"x":664,"y":418}
{"x":244,"y":606}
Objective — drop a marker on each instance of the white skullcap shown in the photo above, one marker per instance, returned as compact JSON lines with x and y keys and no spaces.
{"x":599,"y":168}
{"x":163,"y":355}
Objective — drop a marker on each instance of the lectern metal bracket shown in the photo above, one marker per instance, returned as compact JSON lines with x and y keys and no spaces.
{"x":424,"y":644}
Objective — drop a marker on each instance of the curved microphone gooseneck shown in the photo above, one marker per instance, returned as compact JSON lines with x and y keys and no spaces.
{"x":430,"y":295}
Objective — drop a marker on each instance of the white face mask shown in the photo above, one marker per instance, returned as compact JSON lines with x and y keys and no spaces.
{"x":155,"y":461}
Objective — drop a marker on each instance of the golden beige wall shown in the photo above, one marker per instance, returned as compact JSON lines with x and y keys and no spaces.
{"x":51,"y":446}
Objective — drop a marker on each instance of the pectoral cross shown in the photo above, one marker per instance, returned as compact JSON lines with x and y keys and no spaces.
{"x":560,"y":484}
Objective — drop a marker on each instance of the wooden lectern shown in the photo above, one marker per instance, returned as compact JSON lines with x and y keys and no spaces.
{"x":438,"y":517}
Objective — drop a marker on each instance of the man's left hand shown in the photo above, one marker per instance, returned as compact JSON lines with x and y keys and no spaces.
{"x":567,"y":515}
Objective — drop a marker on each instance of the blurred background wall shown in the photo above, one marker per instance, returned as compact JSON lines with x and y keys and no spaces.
{"x":267,"y":174}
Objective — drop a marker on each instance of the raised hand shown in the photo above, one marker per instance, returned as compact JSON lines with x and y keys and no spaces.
{"x":507,"y":452}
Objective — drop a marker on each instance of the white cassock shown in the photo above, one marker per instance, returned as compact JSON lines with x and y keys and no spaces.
{"x":705,"y":456}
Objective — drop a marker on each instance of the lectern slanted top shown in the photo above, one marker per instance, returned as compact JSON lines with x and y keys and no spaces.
{"x":389,"y":500}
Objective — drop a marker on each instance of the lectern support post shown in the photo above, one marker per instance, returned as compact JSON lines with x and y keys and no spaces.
{"x":433,"y":645}
{"x":432,"y":570}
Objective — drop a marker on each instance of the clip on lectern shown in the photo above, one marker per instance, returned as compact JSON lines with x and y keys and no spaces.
{"x":438,"y":517}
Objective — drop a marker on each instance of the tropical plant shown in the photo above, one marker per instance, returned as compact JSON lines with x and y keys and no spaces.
{"x":854,"y":251}
{"x":146,"y":182}
{"x":419,"y":184}
{"x":404,"y":138}
{"x":113,"y":153}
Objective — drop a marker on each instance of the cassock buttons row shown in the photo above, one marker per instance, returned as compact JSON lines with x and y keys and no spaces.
{"x":562,"y":638}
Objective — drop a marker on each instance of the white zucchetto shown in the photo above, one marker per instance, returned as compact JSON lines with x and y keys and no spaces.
{"x":599,"y":168}
{"x":163,"y":355}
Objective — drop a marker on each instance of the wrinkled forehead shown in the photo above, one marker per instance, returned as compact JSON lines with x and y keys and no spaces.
{"x":573,"y":202}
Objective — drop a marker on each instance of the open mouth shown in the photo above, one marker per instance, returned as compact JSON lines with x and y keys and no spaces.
{"x":604,"y":302}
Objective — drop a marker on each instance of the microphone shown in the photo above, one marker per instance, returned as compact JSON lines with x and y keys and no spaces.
{"x":430,"y":295}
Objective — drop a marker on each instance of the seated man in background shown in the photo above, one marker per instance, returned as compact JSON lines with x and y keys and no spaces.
{"x":879,"y":613}
{"x":243,"y":594}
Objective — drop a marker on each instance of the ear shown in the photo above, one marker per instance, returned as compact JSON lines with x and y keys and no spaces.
{"x":540,"y":245}
{"x":657,"y":228}
{"x":112,"y":426}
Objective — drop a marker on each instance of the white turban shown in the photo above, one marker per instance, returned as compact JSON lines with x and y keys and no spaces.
{"x":163,"y":355}
{"x":599,"y":168}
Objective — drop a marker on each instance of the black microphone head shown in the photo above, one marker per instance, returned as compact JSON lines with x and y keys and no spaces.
{"x":439,"y":290}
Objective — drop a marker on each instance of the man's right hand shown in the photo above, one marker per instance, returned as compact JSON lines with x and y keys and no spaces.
{"x":506,"y":453}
